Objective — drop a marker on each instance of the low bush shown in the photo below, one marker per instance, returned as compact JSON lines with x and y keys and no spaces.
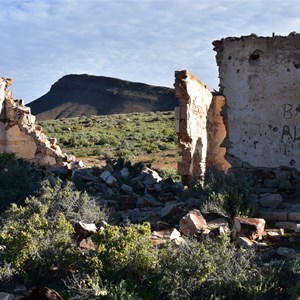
{"x":18,"y":179}
{"x":212,"y":269}
{"x":227,"y":194}
{"x":124,"y":252}
{"x":37,"y":236}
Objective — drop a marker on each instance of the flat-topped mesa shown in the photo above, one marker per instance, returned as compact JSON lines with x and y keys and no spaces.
{"x":19,"y":134}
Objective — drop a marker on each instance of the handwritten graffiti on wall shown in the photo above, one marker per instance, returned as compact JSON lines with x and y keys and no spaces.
{"x":282,"y":138}
{"x":290,"y":112}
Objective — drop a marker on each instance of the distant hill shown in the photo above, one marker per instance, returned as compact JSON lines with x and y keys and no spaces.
{"x":85,"y":95}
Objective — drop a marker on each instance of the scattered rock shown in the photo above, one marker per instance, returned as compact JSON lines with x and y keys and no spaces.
{"x":218,"y":226}
{"x":169,"y":234}
{"x":244,"y":242}
{"x":148,"y":201}
{"x":6,"y":296}
{"x":285,"y":252}
{"x":275,"y":235}
{"x":83,"y":230}
{"x":125,"y":173}
{"x":252,"y":228}
{"x":285,"y":225}
{"x":192,"y":223}
{"x":137,"y":184}
{"x":126,"y":188}
{"x":162,"y":236}
{"x":270,"y":200}
{"x":87,"y":244}
{"x":20,"y":289}
{"x":108,"y":178}
{"x":297,"y":228}
{"x":149,"y":176}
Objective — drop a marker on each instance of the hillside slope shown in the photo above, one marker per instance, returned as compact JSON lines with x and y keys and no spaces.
{"x":85,"y":95}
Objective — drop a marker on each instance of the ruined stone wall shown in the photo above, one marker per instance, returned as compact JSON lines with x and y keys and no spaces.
{"x":216,"y":134}
{"x":252,"y":124}
{"x":259,"y":76}
{"x":191,"y":118}
{"x":19,"y":134}
{"x":199,"y":126}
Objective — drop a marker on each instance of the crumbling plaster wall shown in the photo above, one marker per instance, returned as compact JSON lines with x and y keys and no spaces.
{"x":19,"y":134}
{"x":259,"y":76}
{"x":199,"y":126}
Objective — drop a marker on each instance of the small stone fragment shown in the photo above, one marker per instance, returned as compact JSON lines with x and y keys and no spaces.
{"x":244,"y":242}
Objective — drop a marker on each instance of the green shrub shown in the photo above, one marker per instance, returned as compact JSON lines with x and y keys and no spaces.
{"x":124,"y":252}
{"x":212,"y":269}
{"x":63,"y":197}
{"x":37,"y":236}
{"x":230,"y":192}
{"x":33,"y":243}
{"x":18,"y":179}
{"x":124,"y":134}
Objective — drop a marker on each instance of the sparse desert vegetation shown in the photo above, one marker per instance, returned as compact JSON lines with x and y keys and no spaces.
{"x":40,"y":245}
{"x":138,"y":137}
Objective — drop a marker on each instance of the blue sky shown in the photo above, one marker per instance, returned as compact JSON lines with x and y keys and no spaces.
{"x":136,"y":40}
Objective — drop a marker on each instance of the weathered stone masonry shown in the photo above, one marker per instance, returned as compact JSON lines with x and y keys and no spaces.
{"x":199,"y":126}
{"x":20,"y":134}
{"x":256,"y":115}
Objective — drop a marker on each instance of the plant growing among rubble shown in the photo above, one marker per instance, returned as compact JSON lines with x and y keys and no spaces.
{"x":212,"y":269}
{"x":230,"y":192}
{"x":125,"y":251}
{"x":37,"y":236}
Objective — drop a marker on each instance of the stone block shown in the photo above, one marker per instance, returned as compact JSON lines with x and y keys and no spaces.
{"x":183,"y":168}
{"x":125,"y":173}
{"x":26,"y":119}
{"x":192,"y":223}
{"x":167,"y":234}
{"x":49,"y":160}
{"x":136,"y":184}
{"x":108,"y":178}
{"x":285,"y":252}
{"x":148,"y":201}
{"x":177,"y":126}
{"x":271,"y":183}
{"x":270,"y":200}
{"x":51,"y":152}
{"x":20,"y":143}
{"x":285,"y":185}
{"x":273,"y":214}
{"x":244,"y":242}
{"x":126,"y":188}
{"x":252,"y":228}
{"x":285,"y":225}
{"x":6,"y":296}
{"x":294,"y":216}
